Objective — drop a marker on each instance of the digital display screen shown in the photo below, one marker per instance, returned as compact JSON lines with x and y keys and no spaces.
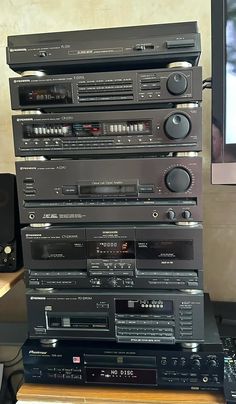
{"x":144,"y":306}
{"x":121,"y":376}
{"x":47,"y":251}
{"x":165,"y":249}
{"x":45,"y":94}
{"x":108,"y":190}
{"x":87,"y":129}
{"x":118,"y":249}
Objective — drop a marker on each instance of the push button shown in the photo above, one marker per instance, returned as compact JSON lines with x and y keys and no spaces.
{"x":180,"y":43}
{"x":70,"y":190}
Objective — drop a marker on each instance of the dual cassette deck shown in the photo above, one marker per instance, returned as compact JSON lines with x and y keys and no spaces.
{"x":114,"y":257}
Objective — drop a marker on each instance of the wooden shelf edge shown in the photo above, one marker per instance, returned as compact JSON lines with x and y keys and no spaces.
{"x":9,"y":279}
{"x":103,"y":395}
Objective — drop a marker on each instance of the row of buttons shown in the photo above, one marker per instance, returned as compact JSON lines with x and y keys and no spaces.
{"x":99,"y":88}
{"x":150,"y":86}
{"x":110,"y":273}
{"x":145,"y":316}
{"x":64,"y":376}
{"x":99,"y":82}
{"x":106,"y":98}
{"x":110,"y":266}
{"x":146,"y":322}
{"x":149,"y":95}
{"x":144,"y":334}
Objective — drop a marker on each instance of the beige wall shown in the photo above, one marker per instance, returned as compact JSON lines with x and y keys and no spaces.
{"x":31,"y":16}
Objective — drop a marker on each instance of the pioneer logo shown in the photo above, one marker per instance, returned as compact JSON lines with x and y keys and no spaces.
{"x":24,"y":119}
{"x":37,"y":298}
{"x":38,"y":352}
{"x":21,"y":81}
{"x":28,"y":168}
{"x":18,"y":50}
{"x":69,"y":236}
{"x":33,"y":235}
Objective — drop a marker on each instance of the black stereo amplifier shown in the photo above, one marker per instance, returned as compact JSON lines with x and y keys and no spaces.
{"x":134,"y":257}
{"x":109,"y":363}
{"x":108,"y":133}
{"x":137,"y":317}
{"x":107,"y":90}
{"x":101,"y":49}
{"x":167,"y":189}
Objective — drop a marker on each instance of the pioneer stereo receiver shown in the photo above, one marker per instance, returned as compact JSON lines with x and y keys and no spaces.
{"x":136,"y":317}
{"x":107,"y":90}
{"x":167,"y":189}
{"x":134,"y":257}
{"x":105,"y":49}
{"x":110,"y":363}
{"x":108,"y":133}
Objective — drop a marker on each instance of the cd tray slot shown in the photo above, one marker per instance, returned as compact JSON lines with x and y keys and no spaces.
{"x":81,"y":321}
{"x":119,"y":360}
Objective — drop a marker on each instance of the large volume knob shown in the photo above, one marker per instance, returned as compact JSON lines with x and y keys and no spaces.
{"x":177,"y":126}
{"x":177,"y":83}
{"x":178,"y":180}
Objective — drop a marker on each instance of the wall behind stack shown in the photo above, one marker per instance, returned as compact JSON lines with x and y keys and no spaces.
{"x":32,"y":16}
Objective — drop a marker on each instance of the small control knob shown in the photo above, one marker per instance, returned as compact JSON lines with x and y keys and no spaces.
{"x":8,"y":249}
{"x":177,"y":83}
{"x":178,"y":179}
{"x":113,"y":282}
{"x":171,"y":214}
{"x":186,"y":214}
{"x":163,"y":361}
{"x":212,"y":363}
{"x":177,"y":126}
{"x":196,"y":363}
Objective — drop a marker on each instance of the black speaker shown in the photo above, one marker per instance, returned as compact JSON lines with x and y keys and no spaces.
{"x":10,"y":241}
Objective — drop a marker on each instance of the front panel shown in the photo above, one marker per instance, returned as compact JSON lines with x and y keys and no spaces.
{"x":111,"y":364}
{"x":105,"y":49}
{"x":163,"y":317}
{"x":109,"y":90}
{"x":108,"y":133}
{"x":149,"y":257}
{"x":155,"y":190}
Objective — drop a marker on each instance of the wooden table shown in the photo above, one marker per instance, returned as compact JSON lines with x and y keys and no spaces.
{"x":31,"y":393}
{"x":8,"y":280}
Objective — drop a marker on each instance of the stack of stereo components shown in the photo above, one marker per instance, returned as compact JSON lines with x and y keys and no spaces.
{"x":110,"y":199}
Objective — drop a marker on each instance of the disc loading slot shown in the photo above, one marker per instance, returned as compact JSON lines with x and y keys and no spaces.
{"x":75,"y":321}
